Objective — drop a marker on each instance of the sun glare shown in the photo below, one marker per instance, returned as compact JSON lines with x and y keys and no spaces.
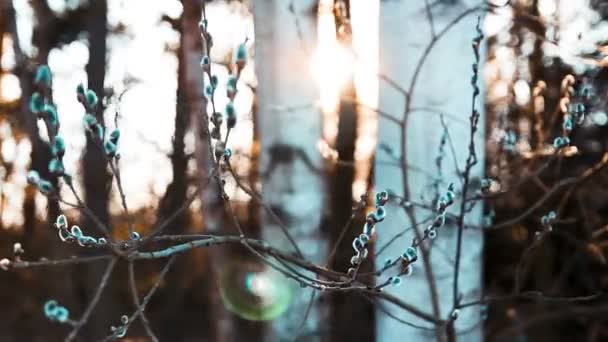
{"x":365,"y":16}
{"x":334,"y":65}
{"x":331,"y":63}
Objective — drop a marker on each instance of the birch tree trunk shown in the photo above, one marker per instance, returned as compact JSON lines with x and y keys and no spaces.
{"x":441,"y":84}
{"x":289,"y":123}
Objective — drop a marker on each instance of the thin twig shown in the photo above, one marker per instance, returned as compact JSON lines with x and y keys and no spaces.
{"x":146,"y":300}
{"x":59,"y":262}
{"x":470,"y":163}
{"x":135,"y":296}
{"x":89,"y":310}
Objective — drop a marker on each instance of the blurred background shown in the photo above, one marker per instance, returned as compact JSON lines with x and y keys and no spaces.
{"x":330,"y":61}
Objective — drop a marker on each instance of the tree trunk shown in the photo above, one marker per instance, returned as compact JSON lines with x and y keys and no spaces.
{"x":41,"y":153}
{"x":172,"y":314}
{"x":289,"y":124}
{"x":36,"y":241}
{"x":193,"y":47}
{"x":345,"y":326}
{"x":190,"y":104}
{"x":96,"y":178}
{"x":442,"y":86}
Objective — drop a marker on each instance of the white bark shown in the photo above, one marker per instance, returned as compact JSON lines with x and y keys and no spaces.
{"x":443,"y":84}
{"x":289,"y":123}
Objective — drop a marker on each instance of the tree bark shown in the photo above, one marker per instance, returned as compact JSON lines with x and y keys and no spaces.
{"x":95,"y":173}
{"x":289,"y":124}
{"x":442,"y":86}
{"x":345,"y":326}
{"x":193,"y":47}
{"x":96,"y":178}
{"x":36,"y":241}
{"x":189,"y":107}
{"x":41,"y":153}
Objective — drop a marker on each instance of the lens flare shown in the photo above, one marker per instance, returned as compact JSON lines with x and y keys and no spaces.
{"x":255,"y":292}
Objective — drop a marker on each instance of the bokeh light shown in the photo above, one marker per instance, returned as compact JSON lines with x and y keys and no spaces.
{"x":255,"y":292}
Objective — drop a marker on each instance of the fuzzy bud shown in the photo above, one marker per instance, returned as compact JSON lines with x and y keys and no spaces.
{"x":227,"y":153}
{"x":410,"y":254}
{"x":45,"y":187}
{"x":36,"y":103}
{"x":61,"y":222}
{"x":220,"y":149}
{"x":18,"y":248}
{"x":56,"y":167}
{"x":568,"y":124}
{"x":51,"y":113}
{"x":5,"y":264}
{"x":76,"y":231}
{"x":395,"y":281}
{"x":241,"y":55}
{"x":58,"y":148}
{"x":381,"y":198}
{"x":205,"y":63}
{"x":110,"y":148}
{"x":80,"y":91}
{"x":231,"y":87}
{"x":380,"y":214}
{"x":114,"y":136}
{"x":91,"y":98}
{"x":135,"y":236}
{"x":214,"y":81}
{"x":89,"y":121}
{"x":230,"y":115}
{"x":33,"y":177}
{"x":43,"y":76}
